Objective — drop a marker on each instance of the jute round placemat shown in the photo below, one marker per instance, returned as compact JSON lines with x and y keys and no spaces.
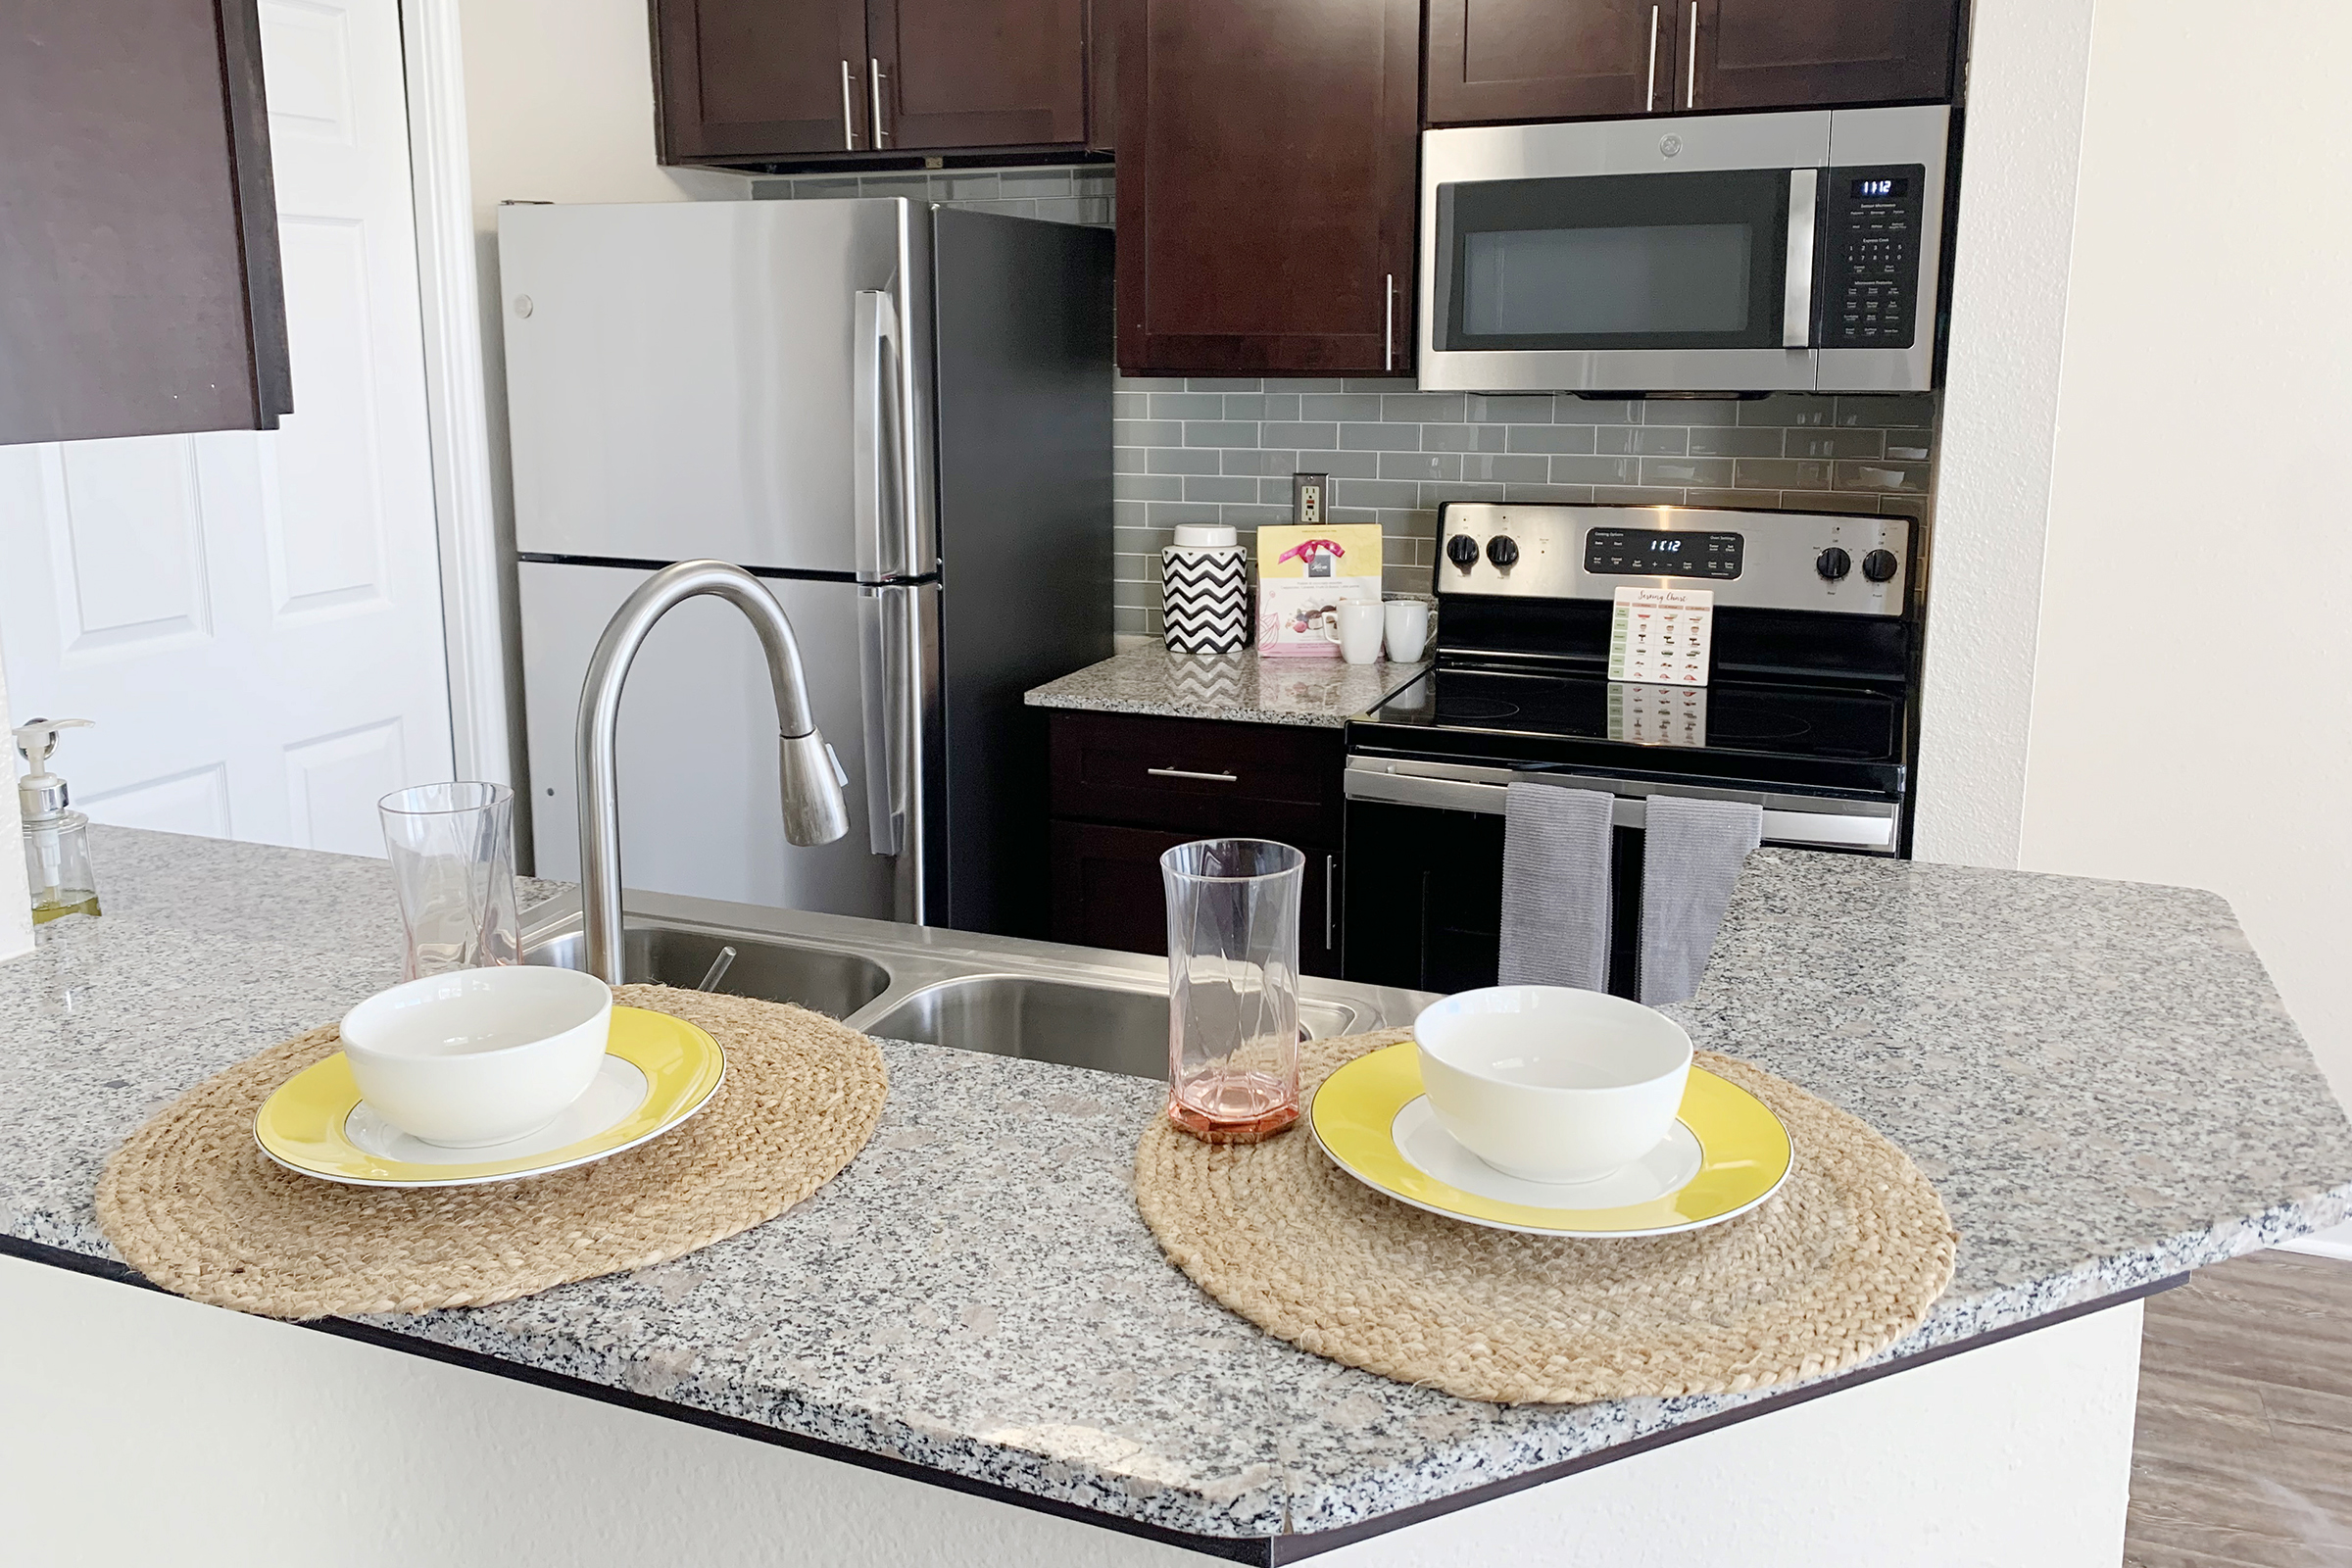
{"x":194,"y":1205}
{"x":1845,"y":1259}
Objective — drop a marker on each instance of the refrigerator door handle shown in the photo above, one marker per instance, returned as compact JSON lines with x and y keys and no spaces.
{"x":881,"y":671}
{"x":879,"y":433}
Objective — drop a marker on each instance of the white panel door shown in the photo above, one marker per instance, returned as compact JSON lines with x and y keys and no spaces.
{"x":254,"y":619}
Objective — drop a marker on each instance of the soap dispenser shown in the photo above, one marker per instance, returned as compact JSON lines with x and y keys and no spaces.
{"x":57,"y":840}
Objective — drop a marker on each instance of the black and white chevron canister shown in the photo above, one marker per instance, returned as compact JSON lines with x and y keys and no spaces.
{"x":1205,"y":598}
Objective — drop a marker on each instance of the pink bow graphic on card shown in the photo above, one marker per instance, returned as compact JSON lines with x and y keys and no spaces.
{"x":1312,"y":547}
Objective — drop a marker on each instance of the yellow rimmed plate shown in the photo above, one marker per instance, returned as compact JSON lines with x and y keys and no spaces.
{"x":657,"y":1071}
{"x":1728,"y":1153}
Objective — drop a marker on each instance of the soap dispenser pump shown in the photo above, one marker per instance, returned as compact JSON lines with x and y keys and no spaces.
{"x":57,"y":840}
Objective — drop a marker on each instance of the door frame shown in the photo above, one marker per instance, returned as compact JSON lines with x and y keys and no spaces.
{"x":476,"y":593}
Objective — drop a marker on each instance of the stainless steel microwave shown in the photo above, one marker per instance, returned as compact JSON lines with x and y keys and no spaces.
{"x":1726,"y":253}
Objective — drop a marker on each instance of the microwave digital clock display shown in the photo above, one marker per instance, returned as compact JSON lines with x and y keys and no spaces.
{"x":1652,"y":552}
{"x":1881,"y":189}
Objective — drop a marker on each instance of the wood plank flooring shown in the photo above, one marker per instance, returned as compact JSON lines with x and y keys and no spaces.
{"x":2242,"y":1457}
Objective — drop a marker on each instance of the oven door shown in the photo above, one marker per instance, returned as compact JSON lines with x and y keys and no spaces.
{"x":1655,"y":255}
{"x":1424,"y":858}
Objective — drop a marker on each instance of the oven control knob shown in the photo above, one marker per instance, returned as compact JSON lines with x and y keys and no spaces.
{"x":1880,"y":565}
{"x":1834,"y":564}
{"x":1504,"y":551}
{"x":1462,"y":551}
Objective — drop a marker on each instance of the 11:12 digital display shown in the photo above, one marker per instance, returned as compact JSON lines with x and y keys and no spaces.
{"x":1880,"y":189}
{"x":1657,"y":553}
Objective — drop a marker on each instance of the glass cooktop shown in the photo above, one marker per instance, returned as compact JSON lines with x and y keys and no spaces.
{"x":1799,"y":734}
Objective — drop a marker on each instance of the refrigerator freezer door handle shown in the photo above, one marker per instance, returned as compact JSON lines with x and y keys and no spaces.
{"x":879,"y":658}
{"x":879,"y":438}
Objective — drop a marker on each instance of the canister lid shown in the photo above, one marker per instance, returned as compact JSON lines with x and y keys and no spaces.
{"x":1205,"y":536}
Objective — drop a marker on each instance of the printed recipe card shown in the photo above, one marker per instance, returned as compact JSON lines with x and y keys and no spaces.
{"x":1662,"y":636}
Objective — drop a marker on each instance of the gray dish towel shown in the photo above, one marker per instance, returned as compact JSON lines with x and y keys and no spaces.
{"x":1555,"y":887}
{"x":1692,"y":852}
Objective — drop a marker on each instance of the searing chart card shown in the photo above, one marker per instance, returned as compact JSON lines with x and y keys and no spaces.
{"x":1662,"y":636}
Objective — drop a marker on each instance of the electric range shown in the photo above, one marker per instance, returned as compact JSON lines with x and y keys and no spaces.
{"x":1807,"y":711}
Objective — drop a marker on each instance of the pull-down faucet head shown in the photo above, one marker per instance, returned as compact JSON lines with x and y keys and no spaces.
{"x":815,"y":811}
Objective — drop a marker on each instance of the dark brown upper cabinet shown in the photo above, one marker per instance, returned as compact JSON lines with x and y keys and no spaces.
{"x":761,"y":78}
{"x":1768,"y":53}
{"x":1266,"y":185}
{"x":140,"y":285}
{"x":765,"y":80}
{"x":980,"y":73}
{"x":1503,"y":59}
{"x":1547,"y":59}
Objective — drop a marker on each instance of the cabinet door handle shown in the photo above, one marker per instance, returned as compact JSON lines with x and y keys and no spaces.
{"x":1331,"y":866}
{"x":1388,"y":327}
{"x":874,"y":77}
{"x":1649,"y":95}
{"x":1186,"y":772}
{"x":849,"y":112}
{"x":1690,"y":82}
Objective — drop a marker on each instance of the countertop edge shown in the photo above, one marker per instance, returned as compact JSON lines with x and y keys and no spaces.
{"x":1360,"y":1506}
{"x":1073,"y":703}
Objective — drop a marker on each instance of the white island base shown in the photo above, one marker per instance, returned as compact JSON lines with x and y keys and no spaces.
{"x":141,"y":1428}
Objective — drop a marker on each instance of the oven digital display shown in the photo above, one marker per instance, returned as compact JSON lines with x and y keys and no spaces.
{"x":1881,"y":189}
{"x":1652,"y":552}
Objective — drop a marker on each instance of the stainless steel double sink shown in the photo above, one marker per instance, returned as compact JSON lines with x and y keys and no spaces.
{"x":1079,"y":1006}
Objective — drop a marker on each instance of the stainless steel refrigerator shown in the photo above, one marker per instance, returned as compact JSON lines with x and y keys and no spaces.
{"x":896,"y":416}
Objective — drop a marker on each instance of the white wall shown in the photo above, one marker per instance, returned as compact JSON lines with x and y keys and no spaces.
{"x":2014,"y":235}
{"x":558,"y":108}
{"x":2208,"y":375}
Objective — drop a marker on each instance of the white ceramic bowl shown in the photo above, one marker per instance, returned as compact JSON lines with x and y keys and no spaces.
{"x":1552,"y":1084}
{"x":478,"y":1056}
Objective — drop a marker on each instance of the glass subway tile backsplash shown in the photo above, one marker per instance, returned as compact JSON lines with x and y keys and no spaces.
{"x":1223,"y":450}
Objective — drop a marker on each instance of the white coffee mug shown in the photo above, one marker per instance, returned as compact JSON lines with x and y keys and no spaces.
{"x":1408,"y":629}
{"x":1355,"y":626}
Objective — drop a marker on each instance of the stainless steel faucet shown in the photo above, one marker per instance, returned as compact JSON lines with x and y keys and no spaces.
{"x":814,"y":809}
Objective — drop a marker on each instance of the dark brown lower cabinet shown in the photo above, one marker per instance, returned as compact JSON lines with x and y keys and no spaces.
{"x":1127,"y":788}
{"x":1107,"y":894}
{"x":1266,"y":185}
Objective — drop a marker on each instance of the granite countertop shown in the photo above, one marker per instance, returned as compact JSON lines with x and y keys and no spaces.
{"x":1240,"y":688}
{"x":2098,"y":1076}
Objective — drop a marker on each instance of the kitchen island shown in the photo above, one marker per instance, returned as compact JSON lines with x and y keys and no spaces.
{"x":2097,"y":1077}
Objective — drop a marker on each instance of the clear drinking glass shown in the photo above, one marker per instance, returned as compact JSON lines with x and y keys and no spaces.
{"x":452,"y":847}
{"x":1233,"y":987}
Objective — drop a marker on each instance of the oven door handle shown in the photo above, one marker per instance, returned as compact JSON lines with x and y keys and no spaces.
{"x":1836,"y":829}
{"x":1796,"y":287}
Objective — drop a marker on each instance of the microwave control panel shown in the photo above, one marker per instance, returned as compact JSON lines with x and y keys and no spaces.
{"x":1876,"y":216}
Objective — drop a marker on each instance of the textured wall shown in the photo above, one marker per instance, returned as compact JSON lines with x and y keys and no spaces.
{"x":2000,"y":412}
{"x":2167,"y":744}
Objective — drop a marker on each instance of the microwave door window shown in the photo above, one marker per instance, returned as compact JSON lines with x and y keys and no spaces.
{"x":1616,"y":262}
{"x":1682,"y":280}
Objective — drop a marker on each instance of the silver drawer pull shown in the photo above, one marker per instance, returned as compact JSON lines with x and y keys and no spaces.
{"x":1186,"y":772}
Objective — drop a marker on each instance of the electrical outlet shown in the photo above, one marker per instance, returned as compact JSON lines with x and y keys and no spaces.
{"x":1310,"y":496}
